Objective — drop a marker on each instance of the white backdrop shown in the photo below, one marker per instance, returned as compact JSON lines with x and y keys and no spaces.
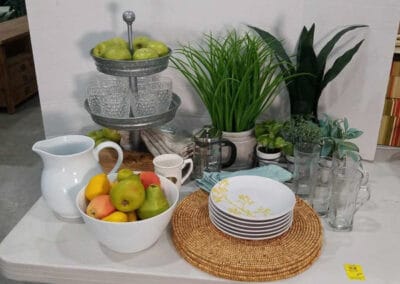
{"x":63,"y":32}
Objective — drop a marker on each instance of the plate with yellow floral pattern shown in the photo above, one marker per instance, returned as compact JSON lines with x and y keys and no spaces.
{"x":252,"y":198}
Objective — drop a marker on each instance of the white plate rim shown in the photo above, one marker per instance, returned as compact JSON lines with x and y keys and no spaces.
{"x":272,"y":216}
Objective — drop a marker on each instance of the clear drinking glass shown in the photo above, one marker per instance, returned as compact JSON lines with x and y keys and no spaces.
{"x":323,"y":186}
{"x":306,"y":156}
{"x":108,"y":98}
{"x":153,"y":97}
{"x":346,"y":198}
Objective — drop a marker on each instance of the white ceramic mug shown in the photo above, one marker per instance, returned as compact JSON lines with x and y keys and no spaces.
{"x":171,"y":167}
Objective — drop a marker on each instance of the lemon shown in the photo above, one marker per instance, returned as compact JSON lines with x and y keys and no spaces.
{"x":98,"y":185}
{"x":116,"y":216}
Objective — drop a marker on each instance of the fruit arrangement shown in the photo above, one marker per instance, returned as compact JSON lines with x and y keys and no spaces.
{"x":118,"y":49}
{"x":104,"y":134}
{"x":129,"y":198}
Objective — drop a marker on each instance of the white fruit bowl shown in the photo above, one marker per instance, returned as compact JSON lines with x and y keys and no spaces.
{"x":130,"y":237}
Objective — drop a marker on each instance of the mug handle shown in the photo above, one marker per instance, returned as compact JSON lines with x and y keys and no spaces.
{"x":190,"y":163}
{"x":232,"y":158}
{"x":116,"y":147}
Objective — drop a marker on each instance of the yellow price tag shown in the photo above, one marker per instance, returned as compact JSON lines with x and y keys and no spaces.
{"x":354,"y":271}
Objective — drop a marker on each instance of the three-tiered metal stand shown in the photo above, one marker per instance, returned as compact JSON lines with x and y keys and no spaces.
{"x":133,"y":69}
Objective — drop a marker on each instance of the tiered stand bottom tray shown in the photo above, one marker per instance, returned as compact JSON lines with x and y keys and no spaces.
{"x":200,"y":243}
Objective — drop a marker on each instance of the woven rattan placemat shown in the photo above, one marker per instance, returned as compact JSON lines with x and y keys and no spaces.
{"x":204,"y":246}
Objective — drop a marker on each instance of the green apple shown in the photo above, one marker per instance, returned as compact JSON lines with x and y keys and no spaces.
{"x":111,"y":134}
{"x":144,"y":53}
{"x":124,"y":174}
{"x":127,"y":195}
{"x":140,"y":42}
{"x":95,"y":134}
{"x":160,"y":47}
{"x":117,"y":52}
{"x":99,"y":49}
{"x":119,"y":41}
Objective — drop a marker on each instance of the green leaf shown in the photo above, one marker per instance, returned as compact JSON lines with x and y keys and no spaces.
{"x":305,"y":44}
{"x":273,"y":42}
{"x":279,"y":142}
{"x":353,"y":133}
{"x":343,"y":146}
{"x":326,"y":50}
{"x":302,"y":101}
{"x":327,"y":147}
{"x":339,"y":64}
{"x":345,"y":124}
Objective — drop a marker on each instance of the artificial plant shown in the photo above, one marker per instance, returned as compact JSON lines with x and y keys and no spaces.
{"x":235,"y":76}
{"x":335,"y":135}
{"x":299,"y":129}
{"x":269,"y":137}
{"x":305,"y":91}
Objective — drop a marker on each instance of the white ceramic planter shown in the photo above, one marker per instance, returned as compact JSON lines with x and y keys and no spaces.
{"x":267,"y":156}
{"x":245,"y":143}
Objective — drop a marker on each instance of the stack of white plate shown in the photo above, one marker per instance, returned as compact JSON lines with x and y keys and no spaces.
{"x":251,"y":207}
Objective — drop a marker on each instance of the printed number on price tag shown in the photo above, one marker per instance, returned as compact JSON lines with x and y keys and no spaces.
{"x":354,"y":271}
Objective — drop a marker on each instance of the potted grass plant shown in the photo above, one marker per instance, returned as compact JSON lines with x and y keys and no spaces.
{"x":236,"y":77}
{"x":305,"y":91}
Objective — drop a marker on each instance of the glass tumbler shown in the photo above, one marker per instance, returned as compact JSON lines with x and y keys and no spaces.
{"x":108,"y":99}
{"x":323,"y":186}
{"x":306,"y":157}
{"x":153,"y":97}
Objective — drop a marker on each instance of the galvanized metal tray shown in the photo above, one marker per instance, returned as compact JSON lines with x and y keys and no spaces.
{"x":136,"y":123}
{"x":131,"y":68}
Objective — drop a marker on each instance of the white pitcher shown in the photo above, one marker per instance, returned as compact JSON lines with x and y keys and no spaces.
{"x":69,"y":162}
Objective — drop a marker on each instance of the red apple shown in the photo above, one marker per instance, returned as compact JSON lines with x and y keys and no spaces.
{"x":100,"y":206}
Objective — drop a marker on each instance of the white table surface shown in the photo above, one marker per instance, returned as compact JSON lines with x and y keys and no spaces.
{"x":44,"y":249}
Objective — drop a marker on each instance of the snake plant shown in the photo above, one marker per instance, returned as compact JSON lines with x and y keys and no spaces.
{"x":305,"y":90}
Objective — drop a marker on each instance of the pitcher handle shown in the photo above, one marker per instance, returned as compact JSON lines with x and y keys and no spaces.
{"x":190,"y":170}
{"x":363,"y":195}
{"x":116,"y":147}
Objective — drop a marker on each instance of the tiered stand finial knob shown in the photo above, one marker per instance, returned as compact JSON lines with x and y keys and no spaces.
{"x":129,"y":18}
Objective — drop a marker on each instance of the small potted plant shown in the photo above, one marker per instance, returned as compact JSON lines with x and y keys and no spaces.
{"x":335,"y":135}
{"x":269,"y":139}
{"x":296,"y":130}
